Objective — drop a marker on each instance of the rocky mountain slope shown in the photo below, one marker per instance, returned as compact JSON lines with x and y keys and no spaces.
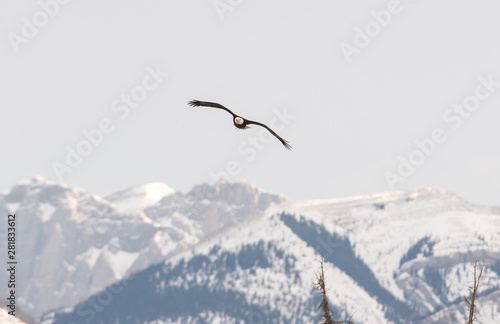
{"x":389,"y":258}
{"x":232,"y":253}
{"x":73,"y":243}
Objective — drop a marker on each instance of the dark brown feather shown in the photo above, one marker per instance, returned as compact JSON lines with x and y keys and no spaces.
{"x":282,"y":140}
{"x":197,"y":103}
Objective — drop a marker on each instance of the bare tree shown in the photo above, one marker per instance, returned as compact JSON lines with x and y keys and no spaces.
{"x":327,"y":313}
{"x":473,"y":291}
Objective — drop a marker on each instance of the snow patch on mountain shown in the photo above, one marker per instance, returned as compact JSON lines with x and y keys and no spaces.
{"x":138,"y":198}
{"x":12,"y":207}
{"x":89,"y":257}
{"x":46,"y":211}
{"x":6,"y":318}
{"x":120,"y":261}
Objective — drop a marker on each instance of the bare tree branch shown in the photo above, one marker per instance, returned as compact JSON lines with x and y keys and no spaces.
{"x":473,"y":291}
{"x":327,"y":313}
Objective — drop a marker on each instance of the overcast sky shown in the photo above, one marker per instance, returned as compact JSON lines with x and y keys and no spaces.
{"x":372,"y":95}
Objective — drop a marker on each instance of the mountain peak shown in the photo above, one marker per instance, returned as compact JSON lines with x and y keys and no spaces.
{"x":235,"y":192}
{"x":137,"y":198}
{"x":35,"y":180}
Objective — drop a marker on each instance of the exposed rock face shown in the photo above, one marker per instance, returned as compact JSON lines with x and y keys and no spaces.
{"x":73,"y":243}
{"x":239,"y":254}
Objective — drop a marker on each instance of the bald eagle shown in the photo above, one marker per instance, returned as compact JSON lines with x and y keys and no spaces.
{"x":239,"y":122}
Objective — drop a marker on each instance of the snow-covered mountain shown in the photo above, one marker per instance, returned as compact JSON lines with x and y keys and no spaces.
{"x":232,"y":253}
{"x":74,"y":243}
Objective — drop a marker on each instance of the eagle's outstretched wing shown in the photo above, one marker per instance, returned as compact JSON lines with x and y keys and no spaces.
{"x":283,"y":141}
{"x":197,"y":103}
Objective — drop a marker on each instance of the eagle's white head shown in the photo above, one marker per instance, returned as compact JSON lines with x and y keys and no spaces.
{"x":238,"y":120}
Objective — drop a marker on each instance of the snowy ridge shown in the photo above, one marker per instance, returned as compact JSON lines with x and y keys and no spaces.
{"x":138,"y":198}
{"x":416,"y":272}
{"x":76,"y":243}
{"x":269,"y":285}
{"x":245,"y":255}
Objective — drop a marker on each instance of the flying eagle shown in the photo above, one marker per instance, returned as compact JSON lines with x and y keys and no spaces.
{"x":238,"y":121}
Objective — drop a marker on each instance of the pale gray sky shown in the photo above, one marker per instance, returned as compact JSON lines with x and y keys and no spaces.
{"x":364,"y":80}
